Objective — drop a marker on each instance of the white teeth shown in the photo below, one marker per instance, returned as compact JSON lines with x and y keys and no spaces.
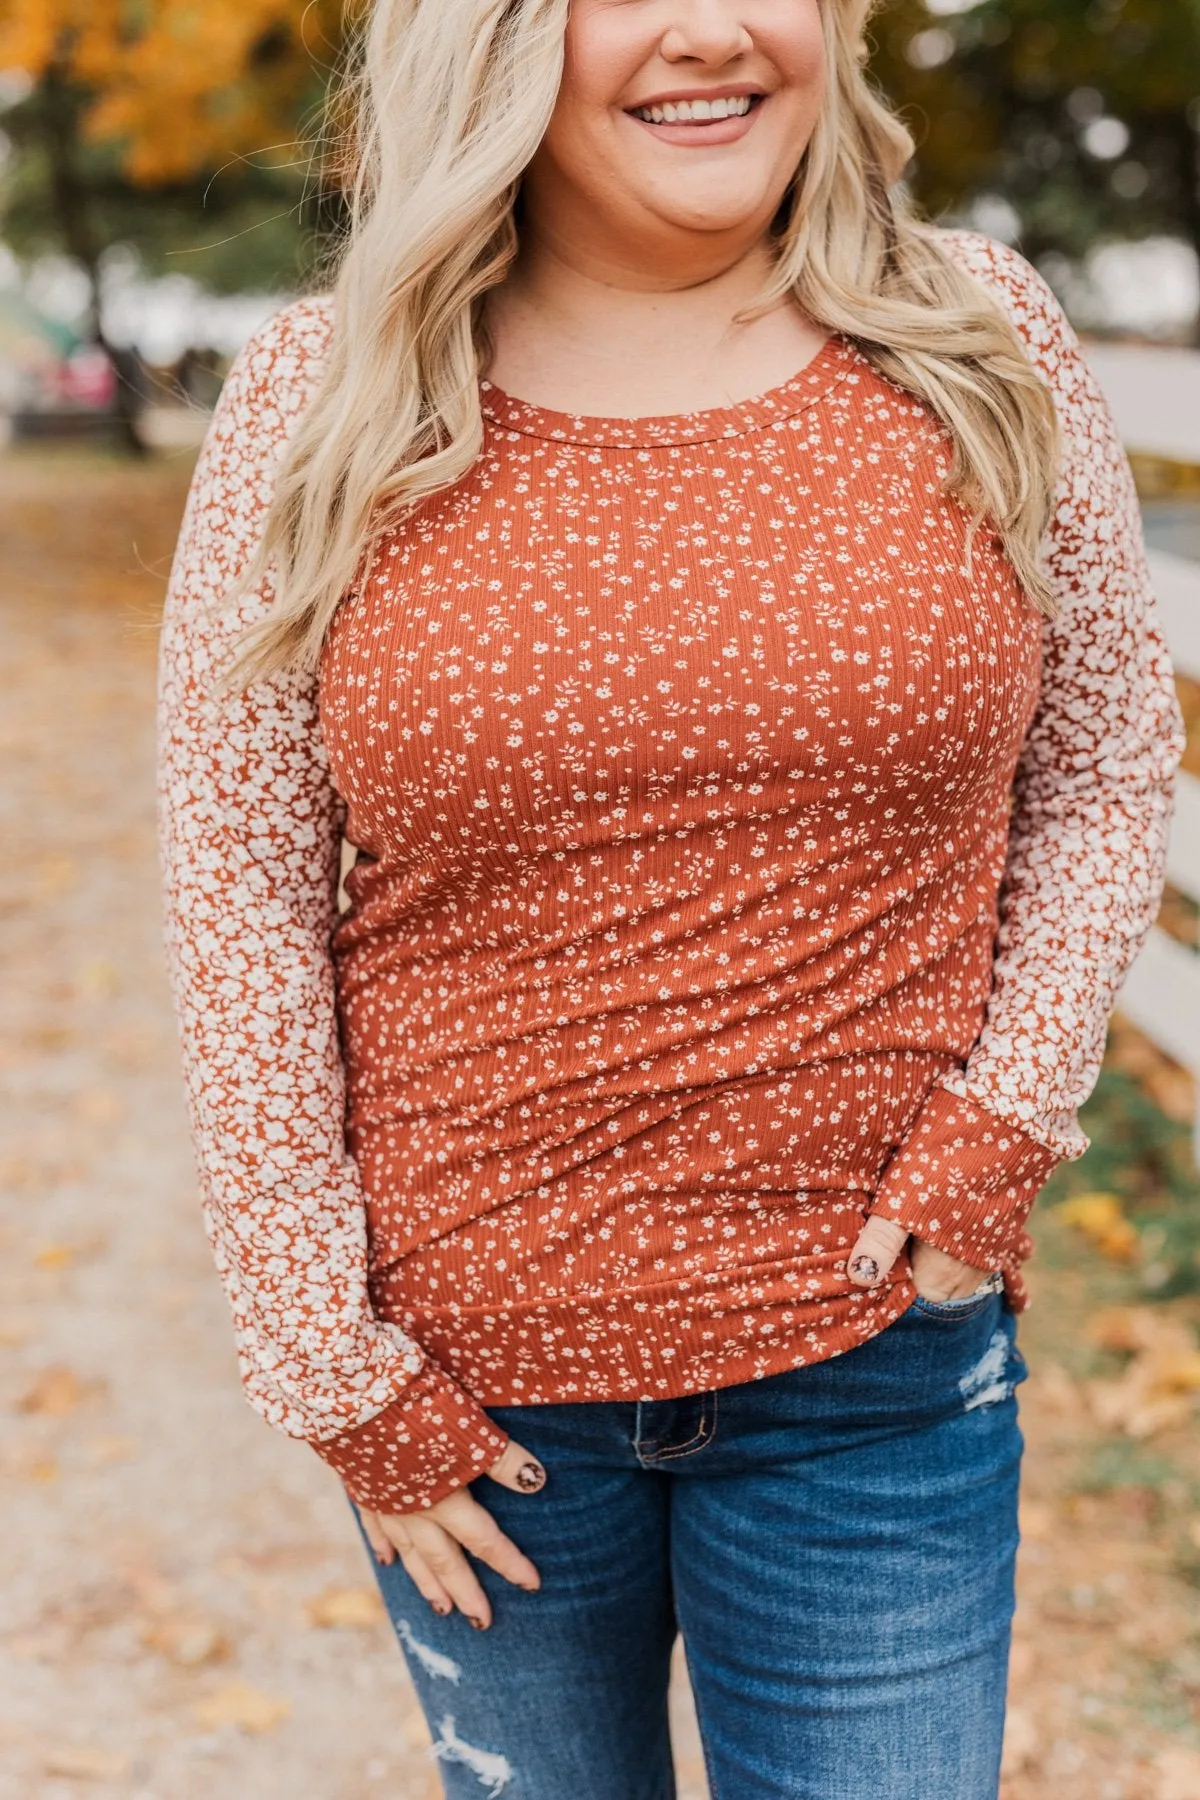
{"x":687,"y":112}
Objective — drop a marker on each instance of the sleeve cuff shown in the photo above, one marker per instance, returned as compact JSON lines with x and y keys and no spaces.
{"x":965,"y":1181}
{"x":431,"y":1440}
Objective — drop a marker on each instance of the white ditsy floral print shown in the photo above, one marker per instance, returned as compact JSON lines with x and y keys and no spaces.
{"x":731,"y":863}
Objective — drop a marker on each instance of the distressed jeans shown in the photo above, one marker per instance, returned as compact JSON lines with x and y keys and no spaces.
{"x":835,"y":1544}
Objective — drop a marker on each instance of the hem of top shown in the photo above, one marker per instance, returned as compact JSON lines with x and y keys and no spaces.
{"x":685,"y":1372}
{"x":611,"y":1333}
{"x":833,"y":362}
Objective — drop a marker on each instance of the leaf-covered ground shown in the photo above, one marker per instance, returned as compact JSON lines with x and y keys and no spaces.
{"x":186,"y":1611}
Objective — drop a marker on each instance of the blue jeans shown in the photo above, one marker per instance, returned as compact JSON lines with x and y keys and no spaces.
{"x":836,"y":1545}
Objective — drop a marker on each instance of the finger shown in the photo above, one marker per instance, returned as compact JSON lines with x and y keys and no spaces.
{"x":477,"y":1531}
{"x":939,"y":1276}
{"x":426,"y":1583}
{"x":395,"y":1530}
{"x":445,"y":1562}
{"x":519,"y":1470}
{"x":879,"y":1244}
{"x":381,"y":1547}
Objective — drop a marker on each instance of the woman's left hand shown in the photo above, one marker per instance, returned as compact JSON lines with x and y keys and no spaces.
{"x":936,"y":1275}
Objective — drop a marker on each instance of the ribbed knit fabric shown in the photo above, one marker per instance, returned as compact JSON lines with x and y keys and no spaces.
{"x":732,"y":862}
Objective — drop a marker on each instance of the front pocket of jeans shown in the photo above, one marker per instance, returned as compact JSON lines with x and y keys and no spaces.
{"x":951,"y":1311}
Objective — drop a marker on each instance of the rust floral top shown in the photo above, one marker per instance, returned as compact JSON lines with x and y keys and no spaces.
{"x":732,"y":863}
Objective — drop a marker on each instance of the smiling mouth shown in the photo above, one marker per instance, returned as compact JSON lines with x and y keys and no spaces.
{"x":697,"y":112}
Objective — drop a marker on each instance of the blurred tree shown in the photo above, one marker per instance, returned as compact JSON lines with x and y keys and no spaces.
{"x":174,"y":125}
{"x":169,"y":125}
{"x":1084,"y":115}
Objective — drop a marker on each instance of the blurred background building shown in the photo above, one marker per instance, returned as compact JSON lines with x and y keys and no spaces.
{"x":161,"y":181}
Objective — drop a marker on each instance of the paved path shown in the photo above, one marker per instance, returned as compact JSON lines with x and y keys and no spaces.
{"x":165,"y":1557}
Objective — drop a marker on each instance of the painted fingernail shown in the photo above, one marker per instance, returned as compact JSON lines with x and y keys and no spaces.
{"x":477,"y":1623}
{"x":865,"y":1268}
{"x":440,"y":1608}
{"x":530,"y":1477}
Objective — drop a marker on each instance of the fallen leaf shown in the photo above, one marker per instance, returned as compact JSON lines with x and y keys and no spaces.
{"x":1169,"y":1085}
{"x":61,"y":1256}
{"x":1122,"y":1330}
{"x":237,"y":1703}
{"x":56,"y":1256}
{"x":187,"y":1641}
{"x":79,"y":1764}
{"x":1101,"y":1219}
{"x":1131,"y":1407}
{"x":54,"y":1394}
{"x":1178,"y":1374}
{"x":1173,"y":1091}
{"x":1154,"y":1392}
{"x":1130,"y":1330}
{"x":347,"y":1608}
{"x":43,"y":1470}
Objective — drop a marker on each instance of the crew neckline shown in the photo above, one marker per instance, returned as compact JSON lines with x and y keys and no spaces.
{"x":836,"y":357}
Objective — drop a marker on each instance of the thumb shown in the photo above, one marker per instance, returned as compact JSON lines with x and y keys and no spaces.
{"x":519,"y":1470}
{"x":878,"y":1245}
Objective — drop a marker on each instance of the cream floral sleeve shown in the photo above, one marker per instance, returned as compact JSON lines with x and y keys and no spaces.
{"x":1086,"y":862}
{"x":250,"y":830}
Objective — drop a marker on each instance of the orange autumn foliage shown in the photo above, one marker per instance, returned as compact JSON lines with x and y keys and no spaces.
{"x":182,"y":87}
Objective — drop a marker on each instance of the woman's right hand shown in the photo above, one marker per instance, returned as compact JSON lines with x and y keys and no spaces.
{"x":431,"y":1543}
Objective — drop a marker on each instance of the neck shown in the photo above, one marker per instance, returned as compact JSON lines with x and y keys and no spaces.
{"x":569,"y":290}
{"x":577,"y":329}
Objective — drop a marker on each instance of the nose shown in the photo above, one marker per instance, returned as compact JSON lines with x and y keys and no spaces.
{"x":707,"y":31}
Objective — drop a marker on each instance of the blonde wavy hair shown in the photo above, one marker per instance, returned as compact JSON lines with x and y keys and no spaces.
{"x":449,"y":100}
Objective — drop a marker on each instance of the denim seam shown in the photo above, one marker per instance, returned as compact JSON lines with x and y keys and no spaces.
{"x":702,"y":1437}
{"x":968,"y":1308}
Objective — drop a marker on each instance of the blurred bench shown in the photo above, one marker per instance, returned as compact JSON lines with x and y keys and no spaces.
{"x":1155,"y":396}
{"x":1161,"y":995}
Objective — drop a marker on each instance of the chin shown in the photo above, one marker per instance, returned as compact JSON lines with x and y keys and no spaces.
{"x":701,"y":203}
{"x":707,"y":215}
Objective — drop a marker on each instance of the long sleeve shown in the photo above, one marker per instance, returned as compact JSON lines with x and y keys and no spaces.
{"x":250,"y":830}
{"x":1092,"y":802}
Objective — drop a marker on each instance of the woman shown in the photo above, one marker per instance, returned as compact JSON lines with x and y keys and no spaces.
{"x":664,"y":558}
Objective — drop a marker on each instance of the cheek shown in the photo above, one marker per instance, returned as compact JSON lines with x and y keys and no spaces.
{"x":603,"y":56}
{"x":792,"y":36}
